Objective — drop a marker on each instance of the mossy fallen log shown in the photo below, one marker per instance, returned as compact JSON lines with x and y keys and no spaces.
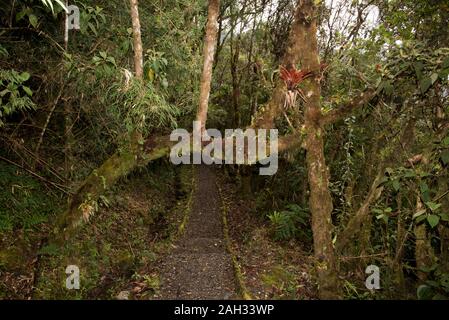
{"x":84,"y":202}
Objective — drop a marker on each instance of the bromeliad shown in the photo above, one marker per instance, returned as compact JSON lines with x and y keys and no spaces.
{"x":292,"y":78}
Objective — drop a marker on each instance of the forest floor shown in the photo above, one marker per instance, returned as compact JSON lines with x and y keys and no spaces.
{"x":164,"y":233}
{"x":269,"y":269}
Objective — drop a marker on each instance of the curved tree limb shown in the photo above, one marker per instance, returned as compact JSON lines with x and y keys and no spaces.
{"x":346,"y":110}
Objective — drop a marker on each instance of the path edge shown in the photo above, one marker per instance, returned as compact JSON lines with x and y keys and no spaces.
{"x":241,"y":287}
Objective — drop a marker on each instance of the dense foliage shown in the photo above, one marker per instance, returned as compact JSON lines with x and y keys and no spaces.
{"x":66,"y":107}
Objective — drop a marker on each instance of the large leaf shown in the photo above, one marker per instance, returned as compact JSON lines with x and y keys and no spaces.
{"x":433,"y":220}
{"x":425,"y":84}
{"x":33,"y":20}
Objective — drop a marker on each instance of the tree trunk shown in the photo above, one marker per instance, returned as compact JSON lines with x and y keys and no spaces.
{"x":208,"y":60}
{"x":443,"y":228}
{"x":137,"y":39}
{"x":401,"y":237}
{"x":304,"y":31}
{"x":424,"y":254}
{"x":83,"y":204}
{"x":235,"y":53}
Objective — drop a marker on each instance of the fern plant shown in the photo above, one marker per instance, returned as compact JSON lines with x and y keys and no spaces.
{"x":290,"y":223}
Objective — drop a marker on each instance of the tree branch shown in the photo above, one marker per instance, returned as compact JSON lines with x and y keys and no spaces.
{"x":340,"y":113}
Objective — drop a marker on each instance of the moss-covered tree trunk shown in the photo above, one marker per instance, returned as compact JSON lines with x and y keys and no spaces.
{"x":320,"y":201}
{"x":83,"y":203}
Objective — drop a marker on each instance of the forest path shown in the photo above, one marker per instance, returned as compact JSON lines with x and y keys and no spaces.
{"x":199,"y":267}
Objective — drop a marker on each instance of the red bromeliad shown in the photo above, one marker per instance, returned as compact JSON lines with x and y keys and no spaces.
{"x":292,"y":78}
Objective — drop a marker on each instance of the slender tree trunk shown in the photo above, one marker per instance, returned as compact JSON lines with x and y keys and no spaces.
{"x":424,"y":254}
{"x":136,"y":135}
{"x":208,"y":60}
{"x":137,"y":39}
{"x":68,"y":119}
{"x":235,"y":53}
{"x":443,"y":228}
{"x":401,"y":237}
{"x":82,"y":204}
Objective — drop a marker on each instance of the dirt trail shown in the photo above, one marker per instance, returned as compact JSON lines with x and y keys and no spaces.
{"x":200,"y":266}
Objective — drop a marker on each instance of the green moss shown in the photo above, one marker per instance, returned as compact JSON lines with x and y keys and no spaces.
{"x":282,"y":281}
{"x":12,"y":258}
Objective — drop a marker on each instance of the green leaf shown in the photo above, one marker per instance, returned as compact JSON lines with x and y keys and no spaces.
{"x":433,"y":206}
{"x":425,"y":84}
{"x":62,"y":5}
{"x":419,"y":213}
{"x":433,"y":220}
{"x":388,"y":88}
{"x":21,"y":14}
{"x":420,"y":218}
{"x":444,"y":217}
{"x":27,"y":90}
{"x":111,"y":60}
{"x":434,"y":77}
{"x":396,"y":185}
{"x":425,"y":191}
{"x":418,"y":69}
{"x":410,"y":174}
{"x":24,"y":76}
{"x":33,"y":20}
{"x":445,"y":156}
{"x":424,"y":292}
{"x":92,"y":27}
{"x":446,"y":141}
{"x":383,"y":216}
{"x":445,"y":64}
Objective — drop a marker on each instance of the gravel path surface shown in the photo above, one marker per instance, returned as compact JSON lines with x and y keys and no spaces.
{"x":200,"y":266}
